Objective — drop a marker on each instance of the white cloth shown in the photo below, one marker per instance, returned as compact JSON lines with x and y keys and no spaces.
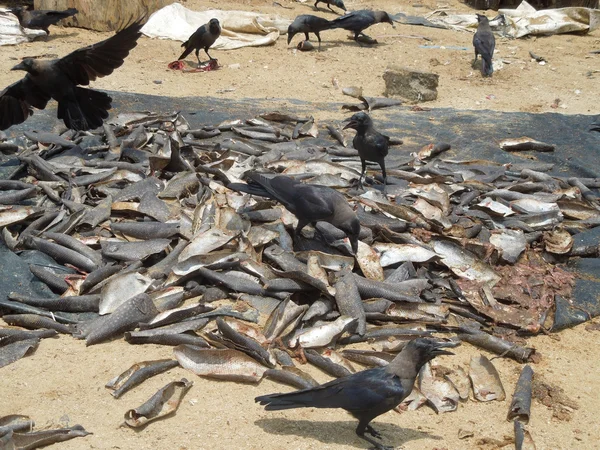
{"x":239,"y":28}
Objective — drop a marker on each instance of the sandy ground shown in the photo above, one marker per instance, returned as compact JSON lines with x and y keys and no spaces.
{"x":62,"y":383}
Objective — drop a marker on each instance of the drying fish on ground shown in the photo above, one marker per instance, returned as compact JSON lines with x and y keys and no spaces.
{"x":149,"y":235}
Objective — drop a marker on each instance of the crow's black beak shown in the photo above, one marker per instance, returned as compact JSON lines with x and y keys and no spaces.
{"x":439,"y":347}
{"x":20,"y":66}
{"x":352,"y":124}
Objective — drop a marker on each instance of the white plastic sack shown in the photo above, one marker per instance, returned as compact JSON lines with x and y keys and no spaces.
{"x":525,"y":20}
{"x":11,"y":33}
{"x":239,"y":28}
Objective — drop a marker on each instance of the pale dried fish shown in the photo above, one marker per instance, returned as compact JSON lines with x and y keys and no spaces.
{"x":228,"y":364}
{"x":164,"y":402}
{"x":485,"y":380}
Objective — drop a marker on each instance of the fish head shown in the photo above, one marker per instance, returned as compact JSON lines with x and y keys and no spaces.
{"x":358,"y":120}
{"x":25,"y":65}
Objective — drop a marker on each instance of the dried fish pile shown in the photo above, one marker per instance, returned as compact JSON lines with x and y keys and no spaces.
{"x":149,"y":244}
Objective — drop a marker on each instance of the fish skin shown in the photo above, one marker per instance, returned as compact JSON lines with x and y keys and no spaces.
{"x":326,"y":364}
{"x":63,"y":254}
{"x":34,"y":321}
{"x":349,"y":301}
{"x":164,"y":402}
{"x":83,"y":303}
{"x":485,"y":380}
{"x":244,"y":343}
{"x":137,"y":374}
{"x":15,"y":351}
{"x":226,"y":364}
{"x":289,"y":375}
{"x":133,"y":251}
{"x":126,"y":317}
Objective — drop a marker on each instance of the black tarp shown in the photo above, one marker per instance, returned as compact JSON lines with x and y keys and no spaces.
{"x":472,"y":135}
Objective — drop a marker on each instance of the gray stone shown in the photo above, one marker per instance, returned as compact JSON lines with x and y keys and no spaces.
{"x":410,"y":84}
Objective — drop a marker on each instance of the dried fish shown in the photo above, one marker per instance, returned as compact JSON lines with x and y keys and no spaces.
{"x":226,"y":364}
{"x":164,"y":402}
{"x":326,"y":364}
{"x":322,"y":335}
{"x":126,"y":317}
{"x":461,"y":382}
{"x":137,"y":374}
{"x":38,"y":439}
{"x":291,"y":376}
{"x":497,"y":345}
{"x":15,"y":351}
{"x":440,"y":393}
{"x":349,"y":302}
{"x":523,"y":440}
{"x":521,"y":402}
{"x":244,"y":343}
{"x":524,"y":144}
{"x":485,"y":380}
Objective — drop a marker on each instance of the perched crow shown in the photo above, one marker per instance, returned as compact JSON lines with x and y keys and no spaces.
{"x":80,"y":108}
{"x":203,"y":37}
{"x":306,"y":23}
{"x":310,"y":203}
{"x":371,"y":145}
{"x":41,"y":19}
{"x":358,"y":21}
{"x":484,"y":43}
{"x":338,"y":3}
{"x":369,"y":393}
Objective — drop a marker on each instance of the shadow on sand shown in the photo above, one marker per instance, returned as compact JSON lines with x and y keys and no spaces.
{"x":340,"y":432}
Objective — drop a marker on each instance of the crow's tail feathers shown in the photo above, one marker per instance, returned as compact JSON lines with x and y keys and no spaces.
{"x":86,"y":111}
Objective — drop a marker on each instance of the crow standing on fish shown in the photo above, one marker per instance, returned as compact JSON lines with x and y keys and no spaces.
{"x":369,"y":393}
{"x":306,"y":23}
{"x":371,"y":144}
{"x":41,"y":19}
{"x":79,"y":108}
{"x":203,"y":38}
{"x":357,"y":21}
{"x":310,"y":203}
{"x":484,"y":43}
{"x":338,"y":3}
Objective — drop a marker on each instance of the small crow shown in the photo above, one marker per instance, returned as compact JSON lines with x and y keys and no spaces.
{"x":306,"y":23}
{"x":41,"y":19}
{"x":358,"y":21}
{"x":338,"y":3}
{"x":484,"y":43}
{"x":203,"y":37}
{"x":371,"y":145}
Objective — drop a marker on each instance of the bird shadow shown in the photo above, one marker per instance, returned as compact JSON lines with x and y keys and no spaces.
{"x":52,"y":37}
{"x":322,"y":9}
{"x":340,"y":432}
